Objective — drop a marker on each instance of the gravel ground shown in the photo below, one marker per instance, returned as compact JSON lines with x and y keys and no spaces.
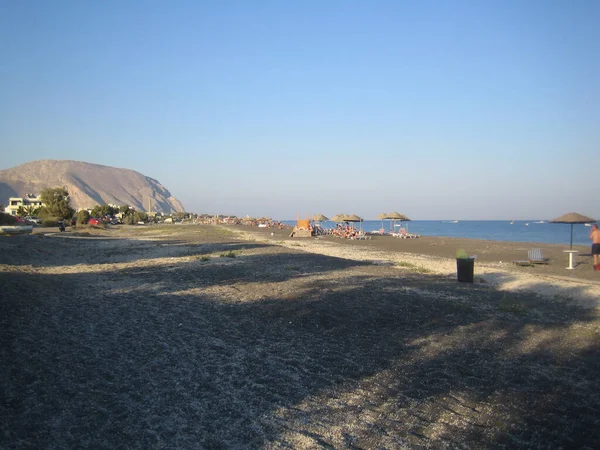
{"x":196,"y":337}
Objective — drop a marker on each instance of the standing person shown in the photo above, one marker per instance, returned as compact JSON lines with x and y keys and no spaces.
{"x":595,"y":237}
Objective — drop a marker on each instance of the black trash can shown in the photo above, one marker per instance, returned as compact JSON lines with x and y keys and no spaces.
{"x":465,"y":268}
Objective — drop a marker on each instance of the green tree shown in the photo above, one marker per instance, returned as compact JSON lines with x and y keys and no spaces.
{"x":124,"y":209}
{"x":56,"y":203}
{"x":104,"y":210}
{"x":179,"y":215}
{"x":139,"y":216}
{"x":29,"y":210}
{"x":83,"y":217}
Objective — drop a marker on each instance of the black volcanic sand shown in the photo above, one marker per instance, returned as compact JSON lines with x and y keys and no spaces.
{"x":192,"y":338}
{"x":487,"y":251}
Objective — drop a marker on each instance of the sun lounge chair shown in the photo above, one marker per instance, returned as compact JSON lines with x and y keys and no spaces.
{"x":534,"y":256}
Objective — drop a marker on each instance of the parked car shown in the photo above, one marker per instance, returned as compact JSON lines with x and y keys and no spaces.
{"x":33,"y":219}
{"x":94,"y":221}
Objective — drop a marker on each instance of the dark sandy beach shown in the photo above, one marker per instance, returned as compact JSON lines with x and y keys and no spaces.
{"x":190,"y":337}
{"x":487,"y":251}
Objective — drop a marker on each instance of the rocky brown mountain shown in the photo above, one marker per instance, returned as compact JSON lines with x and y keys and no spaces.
{"x":88,"y":185}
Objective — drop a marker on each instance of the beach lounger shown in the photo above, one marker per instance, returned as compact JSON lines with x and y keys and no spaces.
{"x":534,"y":256}
{"x":406,"y":235}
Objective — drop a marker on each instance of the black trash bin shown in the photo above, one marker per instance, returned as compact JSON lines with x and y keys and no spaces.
{"x":464,"y":269}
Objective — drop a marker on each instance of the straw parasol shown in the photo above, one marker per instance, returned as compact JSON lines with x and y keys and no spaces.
{"x":319,"y":217}
{"x":382,"y":216}
{"x":339,"y":218}
{"x":354,"y":218}
{"x":572,"y":218}
{"x":395,"y":216}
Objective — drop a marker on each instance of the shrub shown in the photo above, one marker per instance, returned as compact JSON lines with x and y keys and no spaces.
{"x":229,"y":254}
{"x":462,"y":254}
{"x":83,"y":217}
{"x":511,"y":306}
{"x":139,"y":216}
{"x":50,"y":222}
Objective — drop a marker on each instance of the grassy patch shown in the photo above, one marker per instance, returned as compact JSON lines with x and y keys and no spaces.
{"x":413,"y":267}
{"x":224,"y":232}
{"x":511,"y":306}
{"x":229,"y":254}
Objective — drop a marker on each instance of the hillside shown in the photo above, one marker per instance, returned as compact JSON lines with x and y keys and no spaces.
{"x":88,"y":185}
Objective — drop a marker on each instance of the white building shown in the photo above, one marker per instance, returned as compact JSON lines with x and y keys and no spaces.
{"x":28,"y":200}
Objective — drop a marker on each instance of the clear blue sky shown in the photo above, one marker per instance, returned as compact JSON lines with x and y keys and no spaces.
{"x":436,"y":109}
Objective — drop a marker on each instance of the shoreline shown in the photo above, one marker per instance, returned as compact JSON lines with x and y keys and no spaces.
{"x":436,"y":255}
{"x":580,"y":235}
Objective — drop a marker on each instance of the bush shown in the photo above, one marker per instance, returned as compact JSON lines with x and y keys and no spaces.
{"x":462,"y":254}
{"x":139,"y":216}
{"x":50,"y":222}
{"x":83,"y":217}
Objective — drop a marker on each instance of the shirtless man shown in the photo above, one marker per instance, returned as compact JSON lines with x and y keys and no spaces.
{"x":595,"y":237}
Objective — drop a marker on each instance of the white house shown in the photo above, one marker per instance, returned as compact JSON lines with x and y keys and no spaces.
{"x":28,"y":200}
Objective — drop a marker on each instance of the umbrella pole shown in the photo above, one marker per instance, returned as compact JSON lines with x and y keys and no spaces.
{"x":571,"y":248}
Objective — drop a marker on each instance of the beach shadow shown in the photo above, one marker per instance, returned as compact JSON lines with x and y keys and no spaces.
{"x":290,"y":350}
{"x":72,"y":249}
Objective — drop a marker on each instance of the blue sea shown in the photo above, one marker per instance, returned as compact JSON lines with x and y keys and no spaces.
{"x":497,"y":230}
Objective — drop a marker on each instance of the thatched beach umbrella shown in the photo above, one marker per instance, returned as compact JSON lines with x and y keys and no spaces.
{"x":572,"y":218}
{"x":319,"y":217}
{"x":354,"y":218}
{"x":339,"y":218}
{"x":405,"y":219}
{"x":395,"y":216}
{"x":382,"y":216}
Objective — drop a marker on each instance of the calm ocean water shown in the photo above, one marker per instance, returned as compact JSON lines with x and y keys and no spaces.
{"x":497,"y":230}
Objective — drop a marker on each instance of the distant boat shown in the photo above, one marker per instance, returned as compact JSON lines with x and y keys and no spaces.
{"x":540,"y":221}
{"x":527,"y":224}
{"x":512,"y":222}
{"x":588,"y":224}
{"x":455,"y":221}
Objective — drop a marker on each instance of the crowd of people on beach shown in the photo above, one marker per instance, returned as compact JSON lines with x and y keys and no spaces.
{"x":348,"y":232}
